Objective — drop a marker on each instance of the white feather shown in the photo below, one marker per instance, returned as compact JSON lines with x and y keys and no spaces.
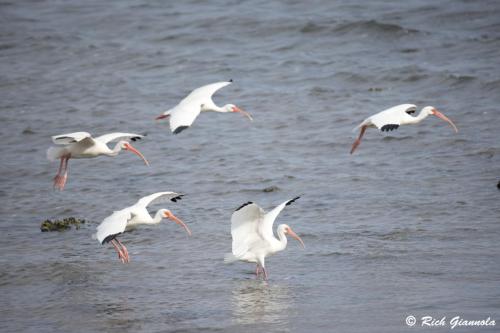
{"x":113,"y":224}
{"x":391,"y":116}
{"x":53,"y":153}
{"x":184,"y":113}
{"x":252,"y":227}
{"x":68,"y":138}
{"x":117,"y":136}
{"x":229,"y":258}
{"x":266,"y":226}
{"x":156,"y":197}
{"x":244,"y":228}
{"x":131,"y":216}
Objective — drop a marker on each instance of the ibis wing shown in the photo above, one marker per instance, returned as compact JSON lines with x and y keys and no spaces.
{"x":118,"y":136}
{"x":182,"y":116}
{"x":113,"y":225}
{"x":265,"y":228}
{"x":68,"y":138}
{"x":386,"y":120}
{"x":391,"y":118}
{"x":244,"y":225}
{"x":86,"y":143}
{"x":204,"y":93}
{"x":159,"y":197}
{"x":65,"y":140}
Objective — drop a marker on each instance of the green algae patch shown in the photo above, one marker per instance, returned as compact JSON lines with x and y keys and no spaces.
{"x":61,"y":225}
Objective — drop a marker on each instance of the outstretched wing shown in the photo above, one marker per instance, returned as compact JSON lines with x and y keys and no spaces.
{"x":159,"y":197}
{"x":244,"y":225}
{"x":391,"y":118}
{"x":113,"y":225}
{"x":68,"y":138}
{"x":118,"y":136}
{"x":265,"y":228}
{"x":183,"y":115}
{"x":205,"y":93}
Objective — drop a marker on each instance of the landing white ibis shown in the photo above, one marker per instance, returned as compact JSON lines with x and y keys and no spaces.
{"x":83,"y":145}
{"x":200,"y":99}
{"x":253,"y":237}
{"x":131,"y":217}
{"x":392,"y":118}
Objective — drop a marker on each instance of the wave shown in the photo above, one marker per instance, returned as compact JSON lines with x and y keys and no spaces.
{"x":457,"y":79}
{"x":398,"y":138}
{"x":374,"y":27}
{"x":492,"y":85}
{"x":486,"y":152}
{"x":410,"y":73}
{"x":311,"y":27}
{"x":329,"y":254}
{"x":353,"y":77}
{"x":409,"y":50}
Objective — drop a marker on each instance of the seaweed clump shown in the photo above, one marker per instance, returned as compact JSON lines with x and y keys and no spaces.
{"x":61,"y":225}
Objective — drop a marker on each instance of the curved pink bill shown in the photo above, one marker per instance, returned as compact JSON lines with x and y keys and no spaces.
{"x":442,"y":116}
{"x":294,"y":235}
{"x":246,"y":114}
{"x":179,"y":222}
{"x":128,"y":146}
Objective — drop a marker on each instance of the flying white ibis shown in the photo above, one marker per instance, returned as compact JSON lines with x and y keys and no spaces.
{"x":253,"y":237}
{"x":83,"y":145}
{"x":392,"y":118}
{"x":129,"y":218}
{"x":200,"y":99}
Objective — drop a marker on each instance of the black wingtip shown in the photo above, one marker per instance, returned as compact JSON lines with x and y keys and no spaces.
{"x":230,"y":80}
{"x":66,"y":137}
{"x":179,"y":197}
{"x":110,"y":238}
{"x":135,"y":138}
{"x":389,"y":127}
{"x":291,"y":201}
{"x":245,"y":204}
{"x":180,"y":129}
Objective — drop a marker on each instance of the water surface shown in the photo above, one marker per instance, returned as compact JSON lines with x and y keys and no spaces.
{"x":407,"y":225}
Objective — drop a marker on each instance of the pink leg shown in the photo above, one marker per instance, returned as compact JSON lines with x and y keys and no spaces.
{"x":121,"y":256}
{"x":265,"y":273}
{"x":65,"y":177}
{"x":257,"y":271}
{"x":124,"y":250}
{"x":56,"y":178}
{"x":60,"y":180}
{"x":358,"y":140}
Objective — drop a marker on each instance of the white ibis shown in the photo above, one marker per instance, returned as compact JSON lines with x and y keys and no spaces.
{"x":253,"y":237}
{"x":129,"y":218}
{"x":200,"y":99}
{"x":83,"y":145}
{"x":392,"y":118}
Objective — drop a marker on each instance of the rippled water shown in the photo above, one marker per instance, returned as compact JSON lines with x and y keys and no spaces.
{"x":407,"y":225}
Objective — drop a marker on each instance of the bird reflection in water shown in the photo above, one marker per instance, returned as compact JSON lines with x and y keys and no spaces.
{"x":257,"y":301}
